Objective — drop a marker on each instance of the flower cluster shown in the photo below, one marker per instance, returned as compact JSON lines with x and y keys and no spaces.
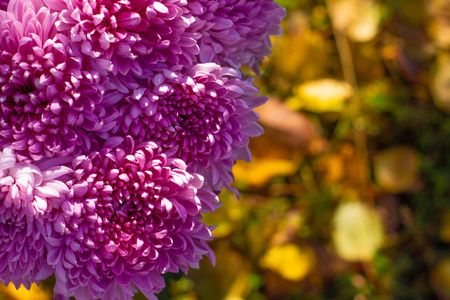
{"x":120,"y":123}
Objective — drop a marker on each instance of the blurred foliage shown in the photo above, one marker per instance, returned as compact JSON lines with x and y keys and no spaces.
{"x":358,"y":231}
{"x":347,"y":196}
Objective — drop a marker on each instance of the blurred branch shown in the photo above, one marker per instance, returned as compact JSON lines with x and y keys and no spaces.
{"x":344,"y":51}
{"x":345,"y":56}
{"x":349,"y":73}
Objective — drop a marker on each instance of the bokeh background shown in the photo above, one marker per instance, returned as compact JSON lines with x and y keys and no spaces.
{"x":348,"y":193}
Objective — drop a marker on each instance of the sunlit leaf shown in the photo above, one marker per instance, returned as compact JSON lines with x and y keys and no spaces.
{"x":296,"y":34}
{"x":358,"y":232}
{"x":440,"y":31}
{"x":214,"y":282}
{"x":290,"y":261}
{"x":287,"y":3}
{"x":299,"y":53}
{"x":34,"y":293}
{"x":397,"y":168}
{"x":347,"y":169}
{"x":287,"y":228}
{"x":223,"y":229}
{"x":239,"y":288}
{"x":323,"y":95}
{"x":444,"y":232}
{"x":441,"y":83}
{"x":359,"y":18}
{"x":439,"y":25}
{"x":333,"y":166}
{"x":228,"y":217}
{"x":440,"y":278}
{"x":260,"y":171}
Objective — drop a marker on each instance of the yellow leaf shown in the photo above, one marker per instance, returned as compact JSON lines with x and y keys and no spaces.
{"x":440,"y":83}
{"x":298,"y":53}
{"x":290,"y":64}
{"x":35,"y":293}
{"x":333,"y":166}
{"x":239,"y":288}
{"x":440,"y":278}
{"x":439,"y":23}
{"x":440,"y":31}
{"x":358,"y":232}
{"x":444,"y":232}
{"x":287,"y":228}
{"x":346,"y":166}
{"x":219,"y":281}
{"x":359,"y":18}
{"x":260,"y":171}
{"x":323,"y":95}
{"x":397,"y":168}
{"x":290,"y":261}
{"x":223,"y":229}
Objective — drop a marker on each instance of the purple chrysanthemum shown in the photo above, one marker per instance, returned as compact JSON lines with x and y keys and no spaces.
{"x":204,"y":118}
{"x":28,"y":192}
{"x":127,"y":35}
{"x":134,"y":215}
{"x":47,"y":101}
{"x":80,"y":81}
{"x":235,"y":32}
{"x":4,"y":4}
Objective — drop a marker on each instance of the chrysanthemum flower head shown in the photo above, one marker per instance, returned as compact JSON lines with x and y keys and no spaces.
{"x":4,"y":4}
{"x":120,"y":36}
{"x":28,"y":192}
{"x":47,"y":101}
{"x":203,"y":116}
{"x":235,"y":32}
{"x":134,"y":215}
{"x":120,"y":122}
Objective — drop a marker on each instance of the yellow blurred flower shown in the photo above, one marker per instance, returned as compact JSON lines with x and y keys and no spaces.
{"x":323,"y":95}
{"x":358,"y":232}
{"x":289,"y":260}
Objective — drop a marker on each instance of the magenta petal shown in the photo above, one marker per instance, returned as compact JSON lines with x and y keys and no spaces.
{"x":128,"y":20}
